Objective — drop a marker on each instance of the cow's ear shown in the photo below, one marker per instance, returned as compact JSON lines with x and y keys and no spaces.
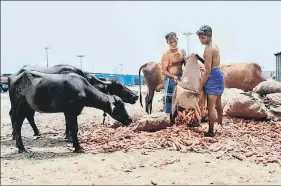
{"x":117,"y":100}
{"x":114,"y":81}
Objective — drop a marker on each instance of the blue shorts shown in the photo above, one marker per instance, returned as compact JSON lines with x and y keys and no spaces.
{"x":215,"y":83}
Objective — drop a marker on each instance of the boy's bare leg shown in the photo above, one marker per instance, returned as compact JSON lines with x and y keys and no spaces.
{"x":219,"y":110}
{"x":211,"y":114}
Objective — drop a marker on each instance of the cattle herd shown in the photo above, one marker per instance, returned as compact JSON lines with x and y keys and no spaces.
{"x":63,"y":88}
{"x":67,"y":89}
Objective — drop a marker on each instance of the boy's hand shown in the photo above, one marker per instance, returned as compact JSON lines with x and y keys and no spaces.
{"x":176,"y":79}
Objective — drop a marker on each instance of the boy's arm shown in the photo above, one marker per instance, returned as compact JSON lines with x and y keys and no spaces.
{"x":208,"y":65}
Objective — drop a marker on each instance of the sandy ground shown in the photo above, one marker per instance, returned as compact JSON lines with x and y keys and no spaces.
{"x":50,"y":161}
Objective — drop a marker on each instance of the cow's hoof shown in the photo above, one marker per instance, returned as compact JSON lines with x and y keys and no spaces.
{"x":203,"y":120}
{"x":37,"y":134}
{"x":193,"y":125}
{"x":80,"y":150}
{"x":22,"y":150}
{"x":209,"y":134}
{"x":69,"y":139}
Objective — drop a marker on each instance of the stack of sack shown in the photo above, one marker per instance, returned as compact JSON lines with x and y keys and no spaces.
{"x":264,"y":102}
{"x":270,"y":90}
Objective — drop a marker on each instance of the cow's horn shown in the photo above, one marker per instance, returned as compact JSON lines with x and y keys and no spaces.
{"x":102,"y":82}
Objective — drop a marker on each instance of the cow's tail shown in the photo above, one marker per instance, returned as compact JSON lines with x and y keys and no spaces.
{"x":140,"y":82}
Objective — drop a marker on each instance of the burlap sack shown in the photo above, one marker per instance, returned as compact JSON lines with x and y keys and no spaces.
{"x":153,"y":122}
{"x":186,"y":94}
{"x":268,"y":87}
{"x":275,"y":98}
{"x":112,"y":123}
{"x":246,"y":106}
{"x":273,"y":104}
{"x":228,"y":94}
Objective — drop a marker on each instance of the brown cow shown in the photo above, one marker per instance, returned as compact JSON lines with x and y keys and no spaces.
{"x":154,"y":80}
{"x":243,"y":76}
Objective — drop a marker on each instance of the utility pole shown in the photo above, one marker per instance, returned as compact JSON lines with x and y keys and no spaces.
{"x":46,"y":48}
{"x":80,"y":56}
{"x":121,"y":68}
{"x":187,"y":35}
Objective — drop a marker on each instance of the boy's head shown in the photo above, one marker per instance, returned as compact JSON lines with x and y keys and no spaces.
{"x":205,"y":34}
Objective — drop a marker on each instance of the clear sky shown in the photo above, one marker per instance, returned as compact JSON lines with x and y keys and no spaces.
{"x":132,"y":33}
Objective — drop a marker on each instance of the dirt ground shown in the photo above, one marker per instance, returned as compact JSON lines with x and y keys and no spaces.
{"x":50,"y":160}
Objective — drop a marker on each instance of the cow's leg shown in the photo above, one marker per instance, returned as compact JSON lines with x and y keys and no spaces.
{"x":150,"y":101}
{"x":66,"y":129}
{"x":19,"y":117}
{"x":104,"y":115}
{"x":30,"y":118}
{"x":73,"y":126}
{"x":146,"y":103}
{"x":68,"y":135}
{"x":12,"y":116}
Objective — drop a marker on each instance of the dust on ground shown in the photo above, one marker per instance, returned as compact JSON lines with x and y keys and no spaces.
{"x":51,"y":161}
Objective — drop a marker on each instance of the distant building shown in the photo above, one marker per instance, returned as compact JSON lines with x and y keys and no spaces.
{"x":278,"y":66}
{"x":125,"y":79}
{"x":268,"y":74}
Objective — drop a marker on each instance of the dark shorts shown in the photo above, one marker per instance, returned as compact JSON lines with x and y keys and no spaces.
{"x":215,"y":83}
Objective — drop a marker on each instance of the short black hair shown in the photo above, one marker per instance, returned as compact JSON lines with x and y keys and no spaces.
{"x":205,"y":30}
{"x":170,"y":35}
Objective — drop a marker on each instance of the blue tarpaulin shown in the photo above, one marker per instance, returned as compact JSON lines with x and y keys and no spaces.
{"x":124,"y":79}
{"x":129,"y":80}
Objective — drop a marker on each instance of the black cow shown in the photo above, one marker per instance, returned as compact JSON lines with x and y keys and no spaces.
{"x":113,"y":87}
{"x":32,"y":91}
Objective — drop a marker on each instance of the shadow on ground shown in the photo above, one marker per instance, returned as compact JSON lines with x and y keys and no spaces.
{"x":45,"y":141}
{"x":36,"y":155}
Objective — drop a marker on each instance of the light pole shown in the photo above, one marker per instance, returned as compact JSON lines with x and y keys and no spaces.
{"x":80,"y":56}
{"x":46,"y":48}
{"x":187,"y":34}
{"x":121,"y":68}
